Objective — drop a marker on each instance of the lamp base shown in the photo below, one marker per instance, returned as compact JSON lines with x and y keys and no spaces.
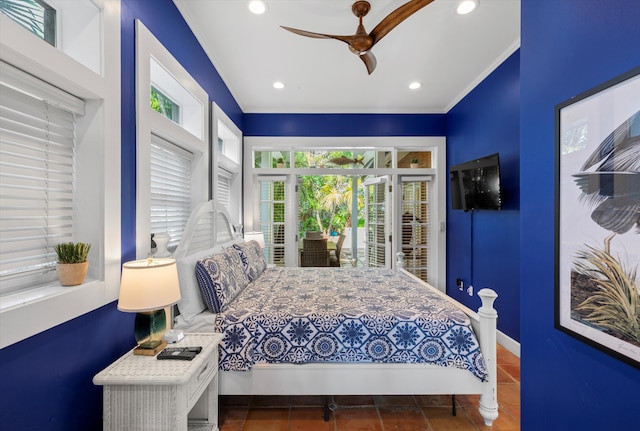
{"x":150,"y":351}
{"x":149,"y":330}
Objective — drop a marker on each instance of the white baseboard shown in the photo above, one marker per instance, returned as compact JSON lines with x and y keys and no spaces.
{"x":508,"y":343}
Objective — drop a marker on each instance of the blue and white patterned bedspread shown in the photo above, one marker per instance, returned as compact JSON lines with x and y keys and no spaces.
{"x":298,"y":315}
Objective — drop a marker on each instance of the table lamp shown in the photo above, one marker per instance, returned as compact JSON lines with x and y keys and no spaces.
{"x":257,"y":236}
{"x":146,"y":287}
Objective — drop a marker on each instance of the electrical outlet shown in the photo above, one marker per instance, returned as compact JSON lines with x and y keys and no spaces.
{"x":460,"y":284}
{"x":470,"y":290}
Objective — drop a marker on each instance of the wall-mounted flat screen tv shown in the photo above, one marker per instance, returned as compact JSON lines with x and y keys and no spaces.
{"x":475,"y":185}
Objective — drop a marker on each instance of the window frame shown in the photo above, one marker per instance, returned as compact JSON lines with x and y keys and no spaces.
{"x":221,"y":162}
{"x":149,"y":122}
{"x":29,"y":312}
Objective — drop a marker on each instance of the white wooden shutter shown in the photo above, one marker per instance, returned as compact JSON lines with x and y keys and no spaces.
{"x":415,"y":224}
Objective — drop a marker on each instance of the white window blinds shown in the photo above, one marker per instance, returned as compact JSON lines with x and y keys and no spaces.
{"x":224,"y":188}
{"x":170,"y":189}
{"x":37,"y":145}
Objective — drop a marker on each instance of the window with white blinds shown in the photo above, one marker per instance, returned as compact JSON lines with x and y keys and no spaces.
{"x":170,"y":189}
{"x":225,"y":179}
{"x":37,"y":152}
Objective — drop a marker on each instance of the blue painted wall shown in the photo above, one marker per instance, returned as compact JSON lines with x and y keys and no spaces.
{"x":344,"y":125}
{"x":483,"y":247}
{"x":46,"y":380}
{"x":567,"y":47}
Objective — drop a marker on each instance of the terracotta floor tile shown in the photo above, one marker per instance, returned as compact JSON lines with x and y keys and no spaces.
{"x":309,"y":419}
{"x":468,"y":400}
{"x":503,"y":376}
{"x":308,"y":400}
{"x":271,"y":401}
{"x":513,"y":370}
{"x":354,"y":400}
{"x":504,"y":422}
{"x":509,"y":393}
{"x":267,"y":419}
{"x":506,"y":357}
{"x":441,"y":419}
{"x":394,"y":400}
{"x":403,"y":419}
{"x":435,"y":400}
{"x":513,"y":411}
{"x":234,"y":400}
{"x":231,"y":418}
{"x":357,"y":419}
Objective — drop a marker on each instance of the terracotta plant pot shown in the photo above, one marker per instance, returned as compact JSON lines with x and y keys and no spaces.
{"x":72,"y":274}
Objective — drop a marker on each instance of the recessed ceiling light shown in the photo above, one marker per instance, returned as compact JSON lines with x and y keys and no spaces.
{"x":415,"y":85}
{"x":466,"y":6}
{"x":279,"y":85}
{"x":257,"y":6}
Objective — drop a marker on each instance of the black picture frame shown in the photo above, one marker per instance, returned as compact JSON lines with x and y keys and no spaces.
{"x":597,"y":217}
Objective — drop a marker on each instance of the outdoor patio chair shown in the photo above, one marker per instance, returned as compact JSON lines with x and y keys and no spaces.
{"x":314,"y":253}
{"x":334,"y":259}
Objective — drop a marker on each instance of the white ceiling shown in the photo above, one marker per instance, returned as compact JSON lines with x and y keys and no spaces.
{"x":449,"y":53}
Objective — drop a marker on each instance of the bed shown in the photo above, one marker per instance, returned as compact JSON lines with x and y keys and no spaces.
{"x":348,"y":332}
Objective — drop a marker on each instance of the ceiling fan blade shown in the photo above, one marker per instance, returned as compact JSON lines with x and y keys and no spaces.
{"x":307,"y":33}
{"x":345,"y":39}
{"x":396,"y":17}
{"x":369,"y":61}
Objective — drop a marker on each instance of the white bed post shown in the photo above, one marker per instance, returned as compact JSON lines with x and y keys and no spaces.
{"x":400,"y":261}
{"x":488,"y":316}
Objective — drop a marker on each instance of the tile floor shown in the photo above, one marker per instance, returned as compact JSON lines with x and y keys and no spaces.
{"x":377,"y":413}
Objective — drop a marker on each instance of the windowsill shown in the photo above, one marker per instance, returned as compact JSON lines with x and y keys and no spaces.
{"x":30,"y":312}
{"x":26,"y":297}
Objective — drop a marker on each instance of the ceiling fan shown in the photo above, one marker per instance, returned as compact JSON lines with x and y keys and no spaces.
{"x":362,"y":42}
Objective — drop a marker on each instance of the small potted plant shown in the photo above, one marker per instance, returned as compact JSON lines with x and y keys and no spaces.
{"x":72,"y":262}
{"x":414,"y":163}
{"x":280,"y":163}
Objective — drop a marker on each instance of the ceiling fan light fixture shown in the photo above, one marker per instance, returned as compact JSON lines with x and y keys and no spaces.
{"x":415,"y":85}
{"x":278,"y":85}
{"x":466,"y":6}
{"x":257,"y":6}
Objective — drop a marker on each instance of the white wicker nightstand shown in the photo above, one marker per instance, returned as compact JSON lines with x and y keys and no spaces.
{"x":143,"y":393}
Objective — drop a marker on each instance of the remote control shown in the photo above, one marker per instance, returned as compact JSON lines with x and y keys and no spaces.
{"x":176,"y":353}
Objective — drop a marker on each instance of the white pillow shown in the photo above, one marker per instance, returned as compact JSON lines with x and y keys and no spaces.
{"x":191,"y":303}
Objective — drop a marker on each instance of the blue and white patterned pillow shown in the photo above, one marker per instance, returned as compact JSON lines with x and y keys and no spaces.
{"x":221,"y":278}
{"x":253,"y":261}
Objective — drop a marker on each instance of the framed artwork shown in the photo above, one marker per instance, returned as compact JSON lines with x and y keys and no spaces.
{"x":597,"y":226}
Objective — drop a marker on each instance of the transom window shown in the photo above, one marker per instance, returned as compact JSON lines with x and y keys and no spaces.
{"x":165,"y":106}
{"x":35,"y":15}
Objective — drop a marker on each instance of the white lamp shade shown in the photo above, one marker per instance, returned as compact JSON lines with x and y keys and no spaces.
{"x":148,"y":285}
{"x":256,"y":236}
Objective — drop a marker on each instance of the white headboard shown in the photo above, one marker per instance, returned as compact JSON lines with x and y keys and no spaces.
{"x":209,"y":224}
